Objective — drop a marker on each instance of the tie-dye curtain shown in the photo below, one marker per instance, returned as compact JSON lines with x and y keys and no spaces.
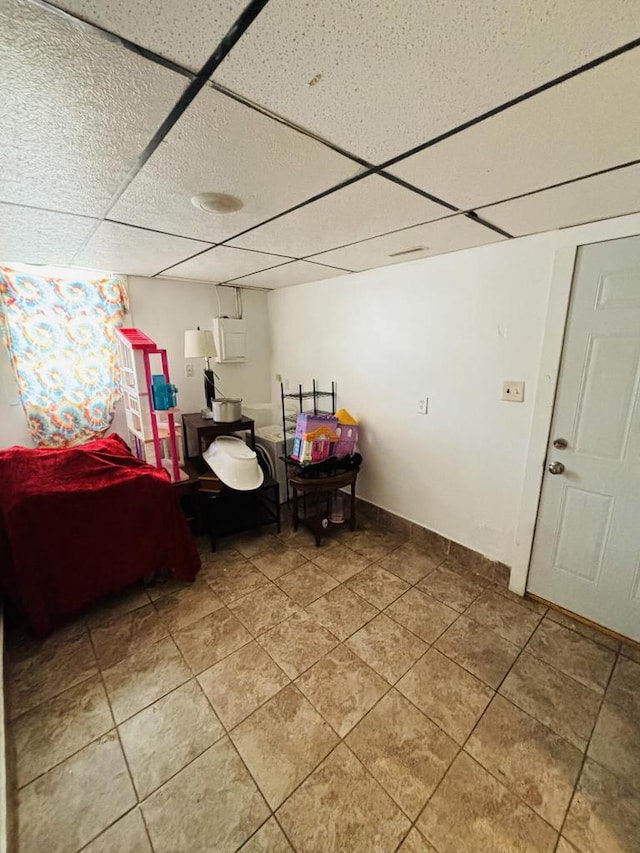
{"x":60,"y":334}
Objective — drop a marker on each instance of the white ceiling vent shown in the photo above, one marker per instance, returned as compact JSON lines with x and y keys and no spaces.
{"x":409,"y":251}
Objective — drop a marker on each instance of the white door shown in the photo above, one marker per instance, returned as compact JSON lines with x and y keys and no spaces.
{"x":586,"y":552}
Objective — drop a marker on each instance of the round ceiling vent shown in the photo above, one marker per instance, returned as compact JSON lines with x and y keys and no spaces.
{"x":216,"y":202}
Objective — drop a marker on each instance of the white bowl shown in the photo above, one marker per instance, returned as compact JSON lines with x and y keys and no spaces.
{"x":234,"y":463}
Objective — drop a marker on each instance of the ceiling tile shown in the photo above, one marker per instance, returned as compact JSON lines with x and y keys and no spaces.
{"x":223,"y":263}
{"x":77,"y":110}
{"x":601,"y":197}
{"x":296,"y":272}
{"x":434,"y":238}
{"x":589,"y":123}
{"x":220,"y":145}
{"x":363,"y":209}
{"x":184,"y":33}
{"x":32,"y":236}
{"x":134,"y":251}
{"x":381,"y":78}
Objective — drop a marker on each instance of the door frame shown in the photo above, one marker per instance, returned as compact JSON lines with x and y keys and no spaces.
{"x":567,"y":244}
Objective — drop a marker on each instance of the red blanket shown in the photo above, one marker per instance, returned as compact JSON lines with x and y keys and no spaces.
{"x":81,"y":522}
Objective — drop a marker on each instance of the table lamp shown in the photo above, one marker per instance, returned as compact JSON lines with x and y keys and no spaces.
{"x":198,"y":343}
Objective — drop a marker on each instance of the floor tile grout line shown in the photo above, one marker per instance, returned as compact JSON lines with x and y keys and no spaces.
{"x":314,"y":768}
{"x":552,"y":610}
{"x":389,"y":688}
{"x":166,"y":693}
{"x":122,"y":749}
{"x":497,"y":689}
{"x":462,"y":749}
{"x":107,"y":828}
{"x":531,"y":716}
{"x":433,"y":793}
{"x":12,"y":720}
{"x":115,"y":728}
{"x":87,"y":628}
{"x":75,"y":752}
{"x":258,"y":828}
{"x":585,"y":754}
{"x":337,"y":643}
{"x":506,"y":786}
{"x":148,"y":796}
{"x":515,"y":705}
{"x":284,"y":832}
{"x":141,"y":802}
{"x":302,"y":781}
{"x":411,"y":585}
{"x":364,"y":624}
{"x":228,"y":729}
{"x":562,"y":672}
{"x":423,"y":713}
{"x":465,"y":668}
{"x":146,"y":828}
{"x":462,"y":746}
{"x":342,"y":741}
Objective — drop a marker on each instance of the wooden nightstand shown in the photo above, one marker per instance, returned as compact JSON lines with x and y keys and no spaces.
{"x":195,"y":429}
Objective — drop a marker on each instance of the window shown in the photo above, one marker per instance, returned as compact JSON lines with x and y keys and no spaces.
{"x":60,"y":334}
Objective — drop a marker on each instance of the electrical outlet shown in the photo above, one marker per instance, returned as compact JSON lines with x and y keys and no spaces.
{"x":188,"y":369}
{"x":423,"y":406}
{"x":513,"y":392}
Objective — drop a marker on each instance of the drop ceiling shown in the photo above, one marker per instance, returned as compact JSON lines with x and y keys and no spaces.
{"x":356,"y":134}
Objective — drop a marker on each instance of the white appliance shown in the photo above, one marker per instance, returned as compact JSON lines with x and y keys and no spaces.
{"x":230,"y":337}
{"x":269,"y":448}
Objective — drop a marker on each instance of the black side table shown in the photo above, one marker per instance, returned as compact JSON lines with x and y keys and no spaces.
{"x":229,"y":511}
{"x":316,"y":517}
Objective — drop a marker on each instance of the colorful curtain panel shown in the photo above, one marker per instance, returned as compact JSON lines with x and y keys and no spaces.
{"x":60,"y":333}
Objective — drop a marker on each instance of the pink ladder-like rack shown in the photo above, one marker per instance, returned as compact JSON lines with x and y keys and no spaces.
{"x":135,"y":351}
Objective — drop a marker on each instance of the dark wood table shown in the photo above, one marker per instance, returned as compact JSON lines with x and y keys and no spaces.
{"x":195,"y":428}
{"x":316,"y":517}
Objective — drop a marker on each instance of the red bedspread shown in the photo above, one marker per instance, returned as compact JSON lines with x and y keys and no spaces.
{"x":78,"y":523}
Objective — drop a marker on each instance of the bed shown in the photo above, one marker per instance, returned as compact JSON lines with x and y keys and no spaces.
{"x":79,"y":523}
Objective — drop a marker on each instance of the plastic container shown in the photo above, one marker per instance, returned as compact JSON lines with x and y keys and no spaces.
{"x":234,"y":463}
{"x":337,"y":508}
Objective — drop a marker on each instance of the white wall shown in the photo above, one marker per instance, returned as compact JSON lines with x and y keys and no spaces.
{"x":164,"y":308}
{"x":452,"y":328}
{"x":13,"y":423}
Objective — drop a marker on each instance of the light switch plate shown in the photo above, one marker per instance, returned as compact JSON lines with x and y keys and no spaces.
{"x":512,"y":391}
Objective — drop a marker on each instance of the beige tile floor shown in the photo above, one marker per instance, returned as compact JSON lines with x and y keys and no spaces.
{"x":369,"y":695}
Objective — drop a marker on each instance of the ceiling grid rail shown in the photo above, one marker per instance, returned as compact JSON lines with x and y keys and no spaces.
{"x":199,"y":80}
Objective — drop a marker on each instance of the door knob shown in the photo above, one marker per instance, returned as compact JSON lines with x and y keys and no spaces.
{"x":556,"y":468}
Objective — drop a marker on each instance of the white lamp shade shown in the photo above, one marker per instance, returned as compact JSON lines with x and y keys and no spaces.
{"x":198,"y":343}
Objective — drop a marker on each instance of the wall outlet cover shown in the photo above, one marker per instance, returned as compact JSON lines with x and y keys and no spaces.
{"x":513,"y":391}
